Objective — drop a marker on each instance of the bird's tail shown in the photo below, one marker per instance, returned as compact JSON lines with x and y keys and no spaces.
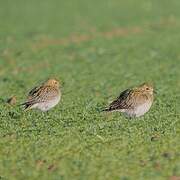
{"x":106,"y":110}
{"x":26,"y":106}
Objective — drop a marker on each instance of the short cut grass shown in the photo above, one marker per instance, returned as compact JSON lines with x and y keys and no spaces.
{"x":97,"y":49}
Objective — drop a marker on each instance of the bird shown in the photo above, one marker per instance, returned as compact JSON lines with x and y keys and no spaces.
{"x":133,"y":102}
{"x":44,"y":97}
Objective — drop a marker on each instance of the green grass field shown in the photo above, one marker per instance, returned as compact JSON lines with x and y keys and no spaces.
{"x":97,"y":49}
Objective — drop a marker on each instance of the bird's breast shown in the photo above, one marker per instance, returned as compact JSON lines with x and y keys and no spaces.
{"x":143,"y":108}
{"x":45,"y":106}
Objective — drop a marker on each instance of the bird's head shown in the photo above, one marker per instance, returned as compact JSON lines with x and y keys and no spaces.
{"x":146,"y":88}
{"x":52,"y":82}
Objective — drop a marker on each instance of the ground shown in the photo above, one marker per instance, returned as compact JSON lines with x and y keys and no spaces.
{"x":97,"y":49}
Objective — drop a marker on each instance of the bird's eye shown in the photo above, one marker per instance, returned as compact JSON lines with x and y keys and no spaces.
{"x":147,"y":88}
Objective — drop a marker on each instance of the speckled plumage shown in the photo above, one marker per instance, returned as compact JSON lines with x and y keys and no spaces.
{"x":133,"y":102}
{"x":44,"y":97}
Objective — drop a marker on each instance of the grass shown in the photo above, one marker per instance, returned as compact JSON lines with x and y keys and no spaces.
{"x":97,"y":49}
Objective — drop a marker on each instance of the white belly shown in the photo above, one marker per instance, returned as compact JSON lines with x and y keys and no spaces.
{"x":45,"y":106}
{"x":139,"y":110}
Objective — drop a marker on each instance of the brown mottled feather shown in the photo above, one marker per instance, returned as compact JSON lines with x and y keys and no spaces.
{"x":134,"y":102}
{"x":40,"y":94}
{"x":45,"y":96}
{"x":128,"y":99}
{"x":121,"y":101}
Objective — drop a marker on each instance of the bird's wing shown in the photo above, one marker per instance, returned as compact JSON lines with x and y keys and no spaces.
{"x":122,"y":102}
{"x":42,"y":94}
{"x":34,"y":93}
{"x":34,"y":90}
